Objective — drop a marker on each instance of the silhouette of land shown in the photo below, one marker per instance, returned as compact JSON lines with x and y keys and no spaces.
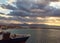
{"x":28,"y":26}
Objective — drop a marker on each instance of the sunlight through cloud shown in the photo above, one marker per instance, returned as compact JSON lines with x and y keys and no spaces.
{"x":11,"y":1}
{"x":55,"y":4}
{"x":6,"y":16}
{"x":5,"y":11}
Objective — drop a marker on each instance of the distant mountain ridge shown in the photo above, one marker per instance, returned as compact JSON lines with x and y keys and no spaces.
{"x":32,"y":25}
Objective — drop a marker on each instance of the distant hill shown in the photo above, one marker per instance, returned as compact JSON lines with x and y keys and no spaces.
{"x":33,"y":26}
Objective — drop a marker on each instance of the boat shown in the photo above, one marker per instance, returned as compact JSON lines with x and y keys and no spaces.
{"x":13,"y":38}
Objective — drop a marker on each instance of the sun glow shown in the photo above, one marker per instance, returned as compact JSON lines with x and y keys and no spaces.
{"x":53,"y":21}
{"x":29,"y":23}
{"x":39,"y":18}
{"x":27,"y":17}
{"x":6,"y":16}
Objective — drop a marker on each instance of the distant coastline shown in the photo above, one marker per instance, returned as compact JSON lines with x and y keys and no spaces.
{"x":26,"y":26}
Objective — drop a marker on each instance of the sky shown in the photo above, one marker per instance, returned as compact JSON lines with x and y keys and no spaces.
{"x":30,"y":12}
{"x":2,"y":1}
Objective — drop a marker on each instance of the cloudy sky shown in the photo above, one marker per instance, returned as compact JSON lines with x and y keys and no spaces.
{"x":30,"y":12}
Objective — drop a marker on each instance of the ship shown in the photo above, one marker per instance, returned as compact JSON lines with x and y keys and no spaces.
{"x":7,"y":37}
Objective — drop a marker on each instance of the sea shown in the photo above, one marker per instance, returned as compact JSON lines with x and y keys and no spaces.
{"x":39,"y":35}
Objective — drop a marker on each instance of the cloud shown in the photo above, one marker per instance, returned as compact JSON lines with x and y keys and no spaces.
{"x":6,"y":16}
{"x":54,"y":0}
{"x":2,"y":21}
{"x":27,"y":12}
{"x":10,"y":7}
{"x":2,"y":10}
{"x":11,"y":1}
{"x":25,"y":8}
{"x":19,"y":13}
{"x":57,"y":13}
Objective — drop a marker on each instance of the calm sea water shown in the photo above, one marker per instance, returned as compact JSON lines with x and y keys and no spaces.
{"x":39,"y":35}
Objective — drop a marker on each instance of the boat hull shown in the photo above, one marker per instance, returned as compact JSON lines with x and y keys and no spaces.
{"x":16,"y":40}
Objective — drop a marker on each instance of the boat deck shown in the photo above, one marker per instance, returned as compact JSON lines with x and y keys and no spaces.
{"x":15,"y":38}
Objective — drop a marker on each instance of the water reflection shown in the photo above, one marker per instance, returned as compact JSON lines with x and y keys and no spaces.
{"x":40,"y":35}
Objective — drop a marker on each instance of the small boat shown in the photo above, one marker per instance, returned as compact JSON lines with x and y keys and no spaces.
{"x":14,"y":38}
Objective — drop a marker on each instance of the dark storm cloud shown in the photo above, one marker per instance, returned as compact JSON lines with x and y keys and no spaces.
{"x":1,"y":13}
{"x":23,"y":9}
{"x":2,"y":17}
{"x":54,"y":0}
{"x":28,"y":5}
{"x":57,"y":12}
{"x":8,"y":7}
{"x":25,"y":6}
{"x":15,"y":13}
